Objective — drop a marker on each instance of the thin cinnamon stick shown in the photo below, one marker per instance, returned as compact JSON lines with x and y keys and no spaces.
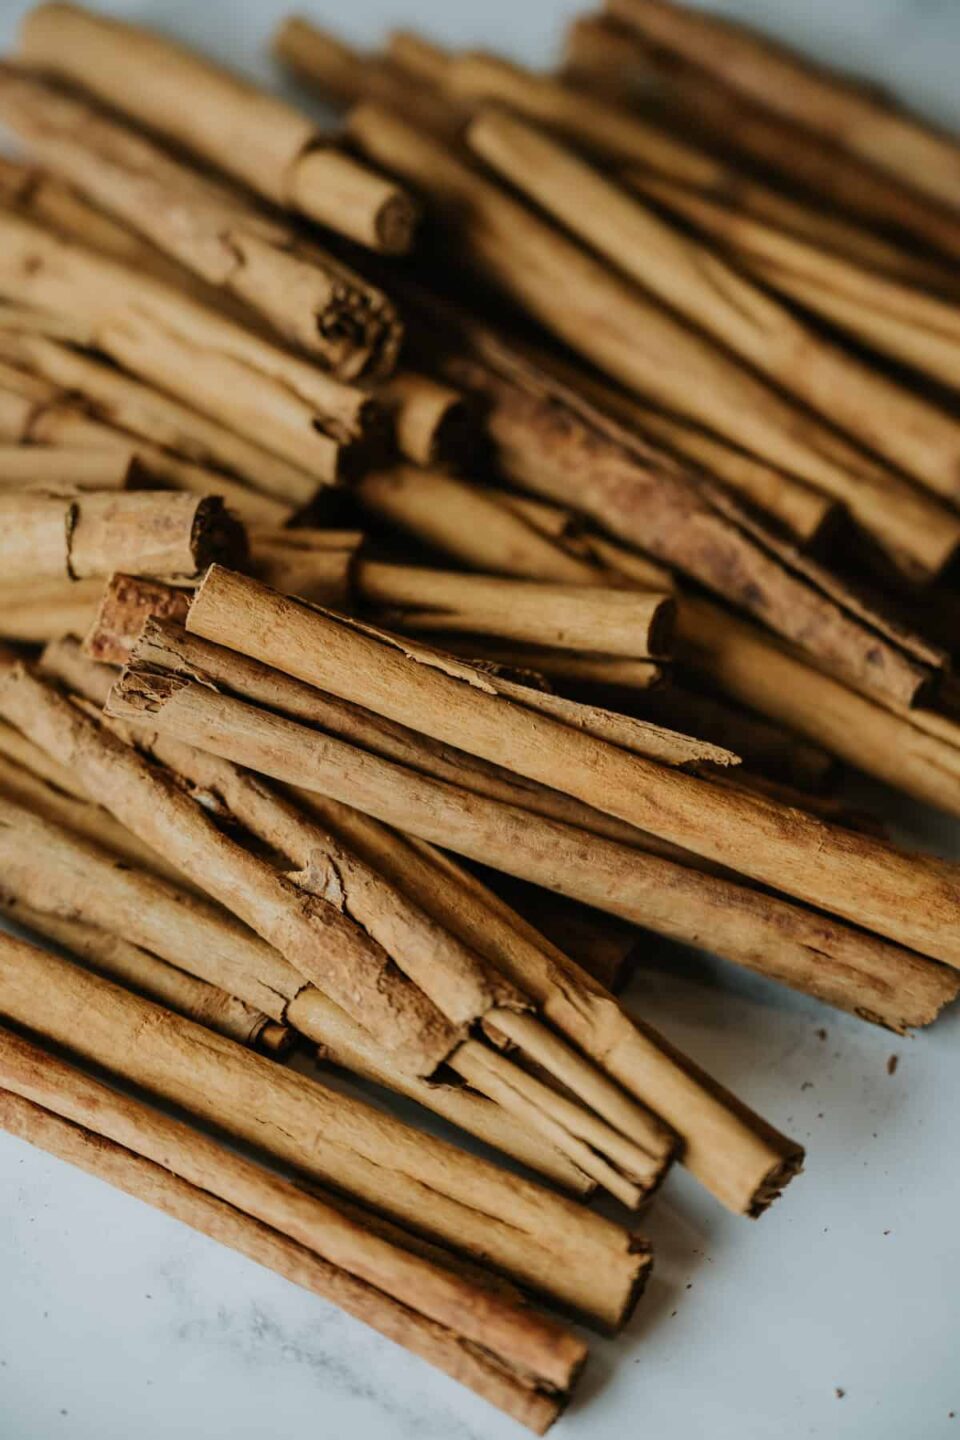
{"x":836,"y":109}
{"x":305,"y":294}
{"x":228,"y":122}
{"x":167,"y":339}
{"x":43,"y":610}
{"x":471,"y":523}
{"x":317,"y":565}
{"x":548,"y":1242}
{"x":882,"y":416}
{"x":570,"y":668}
{"x":853,"y":877}
{"x":46,"y":536}
{"x":59,"y":470}
{"x":569,"y":617}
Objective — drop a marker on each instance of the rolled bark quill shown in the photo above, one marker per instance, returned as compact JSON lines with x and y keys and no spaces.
{"x":118,"y":401}
{"x":676,"y":368}
{"x":431,"y":421}
{"x":617,"y":62}
{"x":307,"y":296}
{"x":851,"y":876}
{"x":317,"y":565}
{"x":884,"y":417}
{"x":229,"y":123}
{"x":607,"y":621}
{"x":544,"y":1240}
{"x":58,"y":470}
{"x":471,"y":524}
{"x":553,"y":441}
{"x":168,"y":340}
{"x":457,"y":981}
{"x":485,"y":1339}
{"x":818,"y":99}
{"x":146,"y":533}
{"x":36,"y":612}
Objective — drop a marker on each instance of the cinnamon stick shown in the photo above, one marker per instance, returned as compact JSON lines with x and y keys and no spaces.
{"x":46,"y":536}
{"x":546,"y":1241}
{"x":568,"y":617}
{"x":472,"y":524}
{"x":837,"y":110}
{"x":882,"y":416}
{"x":41,"y":611}
{"x":125,"y":603}
{"x":853,"y":877}
{"x":568,"y":667}
{"x":317,"y":565}
{"x":221,"y":118}
{"x":59,"y":470}
{"x":168,"y":340}
{"x":306,"y":295}
{"x":481,"y":1337}
{"x":431,"y":420}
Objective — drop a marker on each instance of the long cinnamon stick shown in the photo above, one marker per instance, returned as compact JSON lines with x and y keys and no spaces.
{"x":317,"y":565}
{"x":221,"y":118}
{"x":305,"y":294}
{"x":59,"y":470}
{"x":43,"y":610}
{"x":836,"y":109}
{"x":46,"y":536}
{"x":884,"y":417}
{"x":169,"y":340}
{"x":548,"y":1242}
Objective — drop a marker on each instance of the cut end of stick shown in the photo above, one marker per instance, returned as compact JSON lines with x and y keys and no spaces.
{"x":775,"y":1182}
{"x":348,"y":197}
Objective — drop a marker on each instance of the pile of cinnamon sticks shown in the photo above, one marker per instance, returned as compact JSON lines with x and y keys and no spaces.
{"x":379,"y":677}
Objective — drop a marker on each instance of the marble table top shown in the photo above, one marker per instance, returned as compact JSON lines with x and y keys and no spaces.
{"x":837,"y":1315}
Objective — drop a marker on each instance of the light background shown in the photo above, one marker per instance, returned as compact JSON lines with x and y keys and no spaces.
{"x":118,"y":1324}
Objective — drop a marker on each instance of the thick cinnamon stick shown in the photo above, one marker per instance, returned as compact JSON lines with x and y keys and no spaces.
{"x":168,"y":340}
{"x":851,"y":876}
{"x":94,"y":533}
{"x":305,"y":294}
{"x":430,"y":420}
{"x":882,"y":416}
{"x":126,"y":603}
{"x":34,"y":612}
{"x":568,"y":617}
{"x":221,"y":118}
{"x":836,"y":109}
{"x":547,"y":1242}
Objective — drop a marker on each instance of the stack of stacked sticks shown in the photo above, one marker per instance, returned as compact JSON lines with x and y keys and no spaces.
{"x":378,"y":674}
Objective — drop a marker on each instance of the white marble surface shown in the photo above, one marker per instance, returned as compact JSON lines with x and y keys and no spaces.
{"x":117,"y":1324}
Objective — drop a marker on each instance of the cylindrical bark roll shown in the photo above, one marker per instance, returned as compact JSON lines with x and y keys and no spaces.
{"x":912,"y":899}
{"x":490,"y":1318}
{"x":309,"y":297}
{"x":44,"y":610}
{"x":471,"y":524}
{"x":116,"y":957}
{"x":225,"y":120}
{"x":568,"y":617}
{"x":143,"y":532}
{"x":59,"y":470}
{"x":430,"y":420}
{"x":544,"y":1240}
{"x":314,"y":564}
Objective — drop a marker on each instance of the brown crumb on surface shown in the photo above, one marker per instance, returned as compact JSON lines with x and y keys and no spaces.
{"x":821,"y":1034}
{"x":807,"y":1085}
{"x":892,"y":1064}
{"x":839,"y":1393}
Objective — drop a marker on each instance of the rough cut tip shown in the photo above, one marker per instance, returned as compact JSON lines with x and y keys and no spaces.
{"x":775,"y":1182}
